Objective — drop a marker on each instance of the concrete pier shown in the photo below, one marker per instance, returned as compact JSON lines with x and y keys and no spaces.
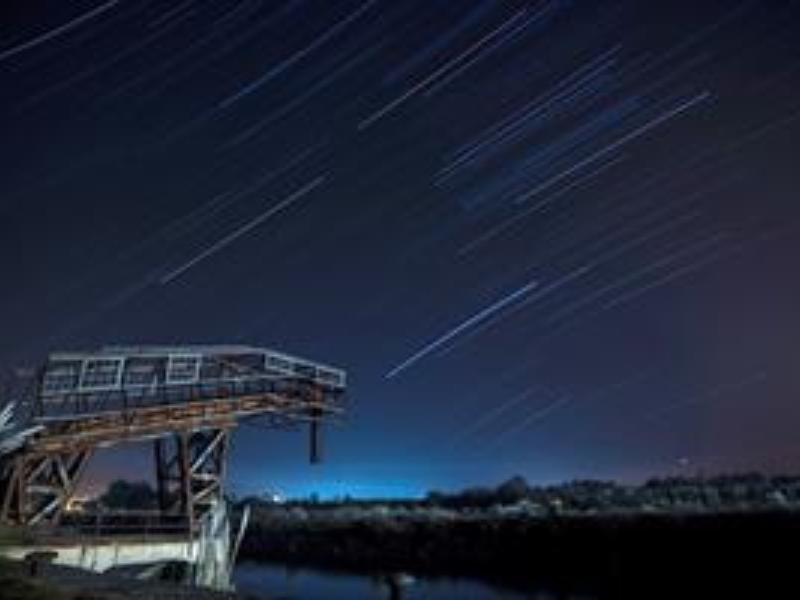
{"x":102,"y":555}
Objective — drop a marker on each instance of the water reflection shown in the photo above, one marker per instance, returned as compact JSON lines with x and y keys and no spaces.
{"x":276,"y":582}
{"x":395,"y":584}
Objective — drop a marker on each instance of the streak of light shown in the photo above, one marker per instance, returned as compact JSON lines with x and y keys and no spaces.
{"x":707,"y":395}
{"x":190,"y":221}
{"x":577,"y":137}
{"x":514,"y":219}
{"x":698,"y":36}
{"x":489,"y":417}
{"x":540,"y":294}
{"x":441,"y":41}
{"x":503,"y":37}
{"x":258,"y":30}
{"x":534,"y":417}
{"x":98,"y":66}
{"x":637,"y":216}
{"x":163,"y":66}
{"x":608,"y":149}
{"x":499,"y":130}
{"x":678,"y":273}
{"x":427,"y":81}
{"x":605,"y":393}
{"x":232,"y":237}
{"x":665,"y":261}
{"x":172,"y":12}
{"x":581,"y":135}
{"x":56,"y":32}
{"x":621,"y":245}
{"x":318,"y":86}
{"x":765,"y":130}
{"x":654,"y":215}
{"x":690,"y":268}
{"x":462,"y":327}
{"x":275,"y":71}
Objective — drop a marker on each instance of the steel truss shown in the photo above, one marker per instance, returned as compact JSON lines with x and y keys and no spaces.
{"x":190,"y":471}
{"x":38,"y":486}
{"x":189,"y":425}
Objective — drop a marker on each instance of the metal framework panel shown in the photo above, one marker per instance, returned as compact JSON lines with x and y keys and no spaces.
{"x":186,"y":400}
{"x":87,"y":382}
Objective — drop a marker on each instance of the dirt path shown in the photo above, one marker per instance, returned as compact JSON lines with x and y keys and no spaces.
{"x":64,"y":583}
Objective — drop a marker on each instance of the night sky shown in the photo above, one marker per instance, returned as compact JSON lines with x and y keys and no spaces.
{"x":551,"y":238}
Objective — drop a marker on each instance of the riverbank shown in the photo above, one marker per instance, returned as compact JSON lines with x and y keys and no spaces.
{"x":609,"y":555}
{"x":53,"y":582}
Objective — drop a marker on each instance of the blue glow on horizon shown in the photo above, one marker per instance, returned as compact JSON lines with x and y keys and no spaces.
{"x":334,"y":490}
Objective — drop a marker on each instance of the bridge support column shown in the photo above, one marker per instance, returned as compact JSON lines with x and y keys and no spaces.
{"x":190,"y":470}
{"x":37,"y":488}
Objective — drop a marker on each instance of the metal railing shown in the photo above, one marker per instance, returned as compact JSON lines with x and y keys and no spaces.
{"x":141,"y":526}
{"x":80,"y":405}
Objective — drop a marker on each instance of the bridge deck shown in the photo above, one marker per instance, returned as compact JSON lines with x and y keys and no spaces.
{"x":186,"y":399}
{"x":202,"y":409}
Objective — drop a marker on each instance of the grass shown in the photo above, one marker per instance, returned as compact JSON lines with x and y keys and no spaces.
{"x":14,"y":583}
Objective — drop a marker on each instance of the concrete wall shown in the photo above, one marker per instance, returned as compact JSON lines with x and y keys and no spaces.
{"x":103,"y":555}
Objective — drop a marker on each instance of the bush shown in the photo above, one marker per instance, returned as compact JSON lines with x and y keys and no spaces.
{"x":128,"y":495}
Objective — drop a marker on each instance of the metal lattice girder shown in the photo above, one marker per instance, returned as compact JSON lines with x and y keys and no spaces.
{"x":38,"y":487}
{"x":114,"y":378}
{"x":169,"y":478}
{"x":290,"y":401}
{"x":190,"y":471}
{"x":185,"y":399}
{"x":206,"y":460}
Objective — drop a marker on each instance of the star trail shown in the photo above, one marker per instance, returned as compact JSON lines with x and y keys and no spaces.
{"x":551,"y":238}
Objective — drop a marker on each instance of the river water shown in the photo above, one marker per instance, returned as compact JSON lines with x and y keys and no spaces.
{"x":276,"y":582}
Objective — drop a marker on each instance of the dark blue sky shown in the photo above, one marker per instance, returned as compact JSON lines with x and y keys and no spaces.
{"x":550,"y":238}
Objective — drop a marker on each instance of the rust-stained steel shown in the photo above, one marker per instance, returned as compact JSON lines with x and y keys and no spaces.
{"x":187,"y":400}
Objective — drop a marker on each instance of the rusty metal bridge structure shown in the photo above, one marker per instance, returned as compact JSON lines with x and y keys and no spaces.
{"x":185,"y":400}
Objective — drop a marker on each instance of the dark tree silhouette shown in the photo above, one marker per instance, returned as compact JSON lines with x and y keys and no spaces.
{"x":138,"y":495}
